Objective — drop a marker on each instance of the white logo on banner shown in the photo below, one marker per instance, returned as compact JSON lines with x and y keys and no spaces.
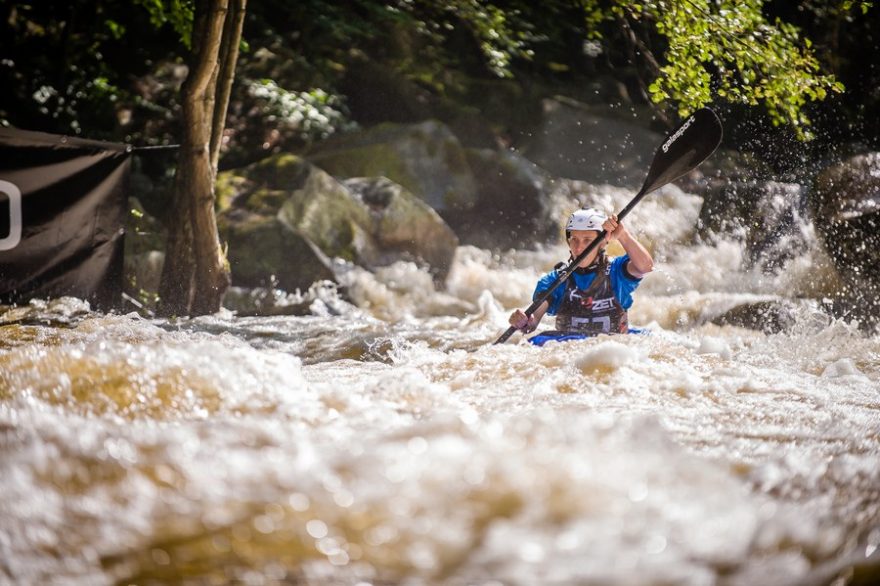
{"x":14,"y":194}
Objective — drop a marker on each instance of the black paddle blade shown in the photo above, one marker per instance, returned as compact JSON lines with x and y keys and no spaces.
{"x":687,"y":146}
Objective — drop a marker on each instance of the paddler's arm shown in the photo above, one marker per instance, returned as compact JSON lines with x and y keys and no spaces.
{"x":640,"y":261}
{"x":527,"y":324}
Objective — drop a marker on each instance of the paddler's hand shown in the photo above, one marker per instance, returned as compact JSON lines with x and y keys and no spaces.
{"x":614,"y":228}
{"x":522,"y":322}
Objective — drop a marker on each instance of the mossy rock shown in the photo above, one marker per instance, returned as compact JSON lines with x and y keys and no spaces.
{"x":513,"y":208}
{"x":263,"y":252}
{"x":283,"y":169}
{"x":403,"y":227}
{"x":271,"y":176}
{"x":372,"y":223}
{"x":325,"y":212}
{"x":425,"y":158}
{"x":227,"y":187}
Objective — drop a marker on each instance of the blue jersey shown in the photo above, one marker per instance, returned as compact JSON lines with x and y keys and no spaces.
{"x":622,"y":283}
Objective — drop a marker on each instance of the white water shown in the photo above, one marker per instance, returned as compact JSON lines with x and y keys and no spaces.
{"x":390,"y":442}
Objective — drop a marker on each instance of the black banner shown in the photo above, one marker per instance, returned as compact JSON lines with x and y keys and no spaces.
{"x":62,"y":217}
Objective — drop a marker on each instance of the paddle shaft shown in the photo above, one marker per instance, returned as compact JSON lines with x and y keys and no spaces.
{"x":567,"y":271}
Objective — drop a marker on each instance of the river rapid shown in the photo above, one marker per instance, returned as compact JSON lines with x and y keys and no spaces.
{"x":384,"y":439}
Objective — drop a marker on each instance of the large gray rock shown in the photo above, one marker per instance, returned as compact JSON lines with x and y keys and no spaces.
{"x":846,"y":205}
{"x":286,"y":219}
{"x":264,"y":252}
{"x":495,"y":198}
{"x":577,"y":141}
{"x":770,"y":317}
{"x":768,"y":215}
{"x":324,"y":211}
{"x":403,"y":227}
{"x":512,"y":209}
{"x":426,"y":158}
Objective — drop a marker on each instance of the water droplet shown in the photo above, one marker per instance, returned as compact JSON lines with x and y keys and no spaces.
{"x":417,"y":445}
{"x":656,"y":544}
{"x":298,"y":502}
{"x":160,"y":556}
{"x":531,"y":552}
{"x":317,"y":528}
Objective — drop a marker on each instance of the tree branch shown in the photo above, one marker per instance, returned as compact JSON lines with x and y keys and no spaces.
{"x":207,"y":37}
{"x":226,"y":76}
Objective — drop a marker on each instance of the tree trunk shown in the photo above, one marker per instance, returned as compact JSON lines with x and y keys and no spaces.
{"x":195,"y":275}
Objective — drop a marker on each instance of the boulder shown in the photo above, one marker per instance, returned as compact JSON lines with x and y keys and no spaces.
{"x":263,"y":252}
{"x":846,"y":205}
{"x":303,"y":198}
{"x":770,"y":317}
{"x":494,"y":198}
{"x":325,"y":211}
{"x":577,"y":141}
{"x":512,"y":208}
{"x":255,"y":183}
{"x":286,"y":219}
{"x":404,"y":227}
{"x":426,"y":158}
{"x":769,"y":216}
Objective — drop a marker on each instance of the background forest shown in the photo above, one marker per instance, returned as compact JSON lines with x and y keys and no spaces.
{"x":111,"y":70}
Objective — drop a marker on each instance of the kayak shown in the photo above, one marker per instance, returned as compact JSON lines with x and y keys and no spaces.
{"x":557,"y":336}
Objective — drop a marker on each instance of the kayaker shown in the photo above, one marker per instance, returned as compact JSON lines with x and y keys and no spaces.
{"x":597,"y":295}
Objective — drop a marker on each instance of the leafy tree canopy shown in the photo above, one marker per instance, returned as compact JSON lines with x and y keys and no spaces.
{"x":684,"y":53}
{"x":69,"y":66}
{"x":730,"y":49}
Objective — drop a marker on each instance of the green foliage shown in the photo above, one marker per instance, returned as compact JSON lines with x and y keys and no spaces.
{"x":728,"y":49}
{"x":502,"y":34}
{"x":312,"y":115}
{"x":419,"y":36}
{"x":177,"y":13}
{"x":750,"y":60}
{"x":696,"y":51}
{"x":70,"y":66}
{"x":67,"y":67}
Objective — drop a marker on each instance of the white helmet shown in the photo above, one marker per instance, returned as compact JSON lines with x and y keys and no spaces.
{"x":586,"y":219}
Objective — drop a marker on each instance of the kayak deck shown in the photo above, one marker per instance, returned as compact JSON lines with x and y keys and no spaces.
{"x":558,"y":336}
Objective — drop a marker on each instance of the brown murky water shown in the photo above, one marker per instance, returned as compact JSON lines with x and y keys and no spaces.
{"x":388,"y":442}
